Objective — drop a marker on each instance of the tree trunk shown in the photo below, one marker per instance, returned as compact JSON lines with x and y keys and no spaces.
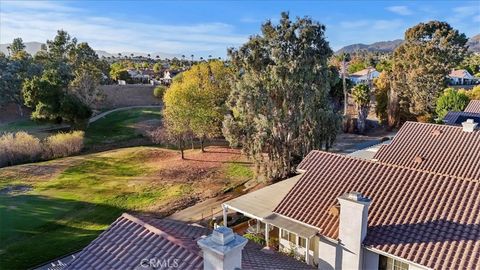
{"x":181,"y":146}
{"x":202,"y":140}
{"x":20,"y":110}
{"x":392,"y":109}
{"x":345,"y":94}
{"x":362,"y":118}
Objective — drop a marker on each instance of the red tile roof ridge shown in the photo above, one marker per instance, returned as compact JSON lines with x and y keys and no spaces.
{"x":394,"y":165}
{"x":157,"y":231}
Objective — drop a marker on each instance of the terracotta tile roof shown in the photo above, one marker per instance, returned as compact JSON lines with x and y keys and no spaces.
{"x":473,"y":106}
{"x":130,"y":239}
{"x":428,"y":218}
{"x":363,"y":72}
{"x":459,"y":73}
{"x":457,"y":118}
{"x":436,"y":148}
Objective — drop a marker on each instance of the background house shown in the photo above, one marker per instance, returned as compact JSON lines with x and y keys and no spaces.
{"x":364,"y":76}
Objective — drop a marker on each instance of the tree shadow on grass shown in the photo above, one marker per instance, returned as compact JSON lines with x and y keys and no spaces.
{"x":35,"y":229}
{"x":219,"y":161}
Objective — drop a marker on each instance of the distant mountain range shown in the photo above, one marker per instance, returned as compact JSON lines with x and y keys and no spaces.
{"x":389,"y":46}
{"x":381,"y":46}
{"x":33,"y":47}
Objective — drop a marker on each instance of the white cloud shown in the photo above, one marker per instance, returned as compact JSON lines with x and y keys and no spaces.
{"x":400,"y":10}
{"x":366,"y":25}
{"x":39,"y":22}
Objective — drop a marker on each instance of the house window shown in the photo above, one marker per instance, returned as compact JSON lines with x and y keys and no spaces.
{"x":386,"y":263}
{"x":292,"y":238}
{"x":285,"y":234}
{"x":302,"y":242}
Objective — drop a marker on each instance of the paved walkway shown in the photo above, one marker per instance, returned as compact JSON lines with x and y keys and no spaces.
{"x":103,"y":114}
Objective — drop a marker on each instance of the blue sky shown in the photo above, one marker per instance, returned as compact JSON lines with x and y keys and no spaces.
{"x":209,"y":27}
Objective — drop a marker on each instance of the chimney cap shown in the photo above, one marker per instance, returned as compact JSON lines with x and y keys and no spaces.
{"x":356,"y":196}
{"x":469,"y":125}
{"x":222,"y":241}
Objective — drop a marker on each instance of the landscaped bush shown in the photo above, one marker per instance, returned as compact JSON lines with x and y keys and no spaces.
{"x":63,"y":144}
{"x":255,"y":238}
{"x":20,"y":147}
{"x":159,"y":91}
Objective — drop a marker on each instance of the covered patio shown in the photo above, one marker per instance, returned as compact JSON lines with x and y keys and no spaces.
{"x":279,"y":232}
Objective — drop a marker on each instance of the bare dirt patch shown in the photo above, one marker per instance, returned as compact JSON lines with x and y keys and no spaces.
{"x":38,"y":171}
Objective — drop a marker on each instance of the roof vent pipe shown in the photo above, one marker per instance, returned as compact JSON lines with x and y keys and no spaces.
{"x":469,"y":125}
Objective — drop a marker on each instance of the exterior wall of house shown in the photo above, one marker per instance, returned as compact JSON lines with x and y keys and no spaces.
{"x":329,"y":255}
{"x":370,"y":259}
{"x":287,"y":246}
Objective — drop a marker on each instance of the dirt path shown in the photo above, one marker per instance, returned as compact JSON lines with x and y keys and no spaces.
{"x":103,"y":114}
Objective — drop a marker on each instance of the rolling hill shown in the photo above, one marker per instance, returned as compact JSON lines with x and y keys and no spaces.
{"x":389,"y":46}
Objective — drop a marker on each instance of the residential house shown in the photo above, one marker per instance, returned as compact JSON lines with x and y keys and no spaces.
{"x":141,"y":242}
{"x":415,"y":205}
{"x":472,"y":111}
{"x":364,"y":76}
{"x":461,"y":77}
{"x":473,"y":106}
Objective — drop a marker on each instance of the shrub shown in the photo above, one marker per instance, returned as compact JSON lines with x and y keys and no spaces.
{"x":451,"y":100}
{"x":63,"y":144}
{"x":255,"y":238}
{"x":20,"y":147}
{"x":159,"y":91}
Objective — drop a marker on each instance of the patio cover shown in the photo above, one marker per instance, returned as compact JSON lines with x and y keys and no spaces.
{"x":291,"y":226}
{"x":260,"y":203}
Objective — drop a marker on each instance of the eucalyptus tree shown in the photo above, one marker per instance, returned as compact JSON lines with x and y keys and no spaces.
{"x":279,"y":103}
{"x":421,"y":65}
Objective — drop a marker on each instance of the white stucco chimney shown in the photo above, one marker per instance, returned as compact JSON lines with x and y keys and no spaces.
{"x":469,"y":125}
{"x":353,"y":228}
{"x":222,"y":250}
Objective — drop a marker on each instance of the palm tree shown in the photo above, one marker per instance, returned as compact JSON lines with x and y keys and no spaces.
{"x":209,"y":56}
{"x":183,"y":57}
{"x":148,"y":55}
{"x":131,"y":55}
{"x":201,"y":59}
{"x":192,"y":57}
{"x":157,"y":56}
{"x":119,"y":55}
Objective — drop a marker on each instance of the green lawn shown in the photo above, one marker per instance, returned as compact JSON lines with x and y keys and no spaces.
{"x":70,"y":201}
{"x":30,"y":126}
{"x":65,"y":213}
{"x":120,"y":126}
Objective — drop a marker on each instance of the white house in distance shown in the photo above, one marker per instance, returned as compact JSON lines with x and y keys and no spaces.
{"x":461,"y":77}
{"x":413,"y":206}
{"x":364,"y":75}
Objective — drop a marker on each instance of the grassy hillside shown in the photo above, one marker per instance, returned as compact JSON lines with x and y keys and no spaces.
{"x":52,"y":208}
{"x":122,"y":126}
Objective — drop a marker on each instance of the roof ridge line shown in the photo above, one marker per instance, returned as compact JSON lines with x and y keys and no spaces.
{"x":157,"y":231}
{"x":398,"y":166}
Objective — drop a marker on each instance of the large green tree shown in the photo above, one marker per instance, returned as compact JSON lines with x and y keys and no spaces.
{"x":195,"y":102}
{"x":280,"y":105}
{"x":421,"y":64}
{"x":13,"y":71}
{"x":68,"y":86}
